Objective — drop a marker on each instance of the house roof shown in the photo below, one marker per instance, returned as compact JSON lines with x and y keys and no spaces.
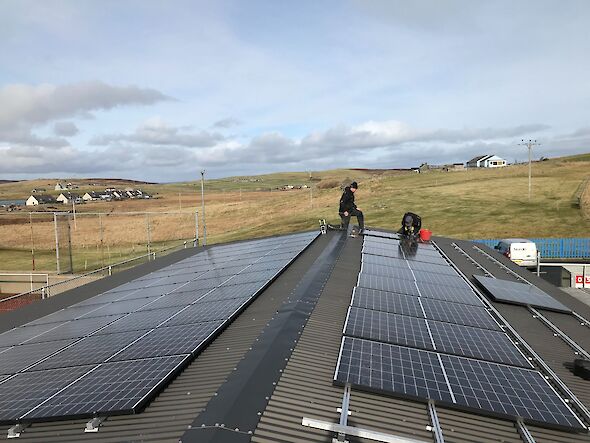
{"x":44,"y":198}
{"x":251,"y":349}
{"x":479,"y":158}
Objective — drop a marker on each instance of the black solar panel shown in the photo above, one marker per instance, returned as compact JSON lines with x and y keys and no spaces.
{"x":176,"y":299}
{"x":519,"y":293}
{"x":458,"y":313}
{"x":22,"y":334}
{"x":141,"y":320}
{"x":388,"y":327}
{"x":386,"y":261}
{"x":121,"y":307}
{"x":97,"y":393}
{"x":432,"y":268}
{"x":387,"y":271}
{"x":76,"y":328}
{"x":427,"y":258}
{"x":440,"y":279}
{"x":448,"y":293}
{"x":375,"y":233}
{"x":235,"y":291}
{"x":388,"y":284}
{"x":173,"y":340}
{"x":506,"y":390}
{"x":387,"y":302}
{"x":18,"y":358}
{"x":482,"y":344}
{"x":67,"y":314}
{"x":23,"y":392}
{"x":200,"y":312}
{"x":383,"y":252}
{"x":90,"y":350}
{"x":394,"y":369}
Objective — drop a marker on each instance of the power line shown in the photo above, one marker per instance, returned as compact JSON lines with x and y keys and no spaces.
{"x":529,"y":144}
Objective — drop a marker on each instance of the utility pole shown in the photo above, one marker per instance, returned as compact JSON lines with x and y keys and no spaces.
{"x":529,"y":144}
{"x":203,"y":206}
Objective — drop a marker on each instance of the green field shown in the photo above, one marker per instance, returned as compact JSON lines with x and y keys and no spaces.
{"x":471,"y":204}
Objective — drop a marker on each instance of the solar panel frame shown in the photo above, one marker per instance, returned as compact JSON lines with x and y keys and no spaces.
{"x":507,"y":391}
{"x":76,"y":328}
{"x":388,"y":327}
{"x":22,"y":392}
{"x":202,"y":312}
{"x":432,"y":267}
{"x":20,"y":357}
{"x":519,"y":293}
{"x":457,"y":313}
{"x":386,"y":271}
{"x":90,"y":350}
{"x":382,"y":234}
{"x":385,"y":261}
{"x":96,"y":394}
{"x":392,"y":253}
{"x":388,"y":284}
{"x":482,"y":344}
{"x":387,"y":302}
{"x":448,"y":293}
{"x":141,"y":320}
{"x":382,"y":367}
{"x":170,"y":340}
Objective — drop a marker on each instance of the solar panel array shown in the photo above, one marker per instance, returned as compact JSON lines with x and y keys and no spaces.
{"x":416,"y":329}
{"x":519,"y":293}
{"x":112,"y":353}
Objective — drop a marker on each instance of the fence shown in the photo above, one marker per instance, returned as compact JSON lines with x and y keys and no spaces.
{"x":555,"y":247}
{"x":16,"y":301}
{"x":76,"y":243}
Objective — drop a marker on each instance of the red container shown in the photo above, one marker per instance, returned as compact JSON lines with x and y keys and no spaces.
{"x":425,"y":234}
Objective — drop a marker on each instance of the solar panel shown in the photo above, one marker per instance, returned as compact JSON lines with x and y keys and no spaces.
{"x":20,"y":357}
{"x":391,"y":368}
{"x":458,"y":313}
{"x":509,"y":391}
{"x":200,"y":312}
{"x":66,"y":314}
{"x":388,"y":327}
{"x":381,"y":242}
{"x":432,"y":267}
{"x":393,"y":252}
{"x":388,"y":284}
{"x":175,"y":299}
{"x":387,"y":271}
{"x":448,"y":293}
{"x":98,"y":394}
{"x":426,"y":258}
{"x":387,"y":302}
{"x":90,"y":350}
{"x":396,"y":262}
{"x":440,"y":279}
{"x":141,"y":320}
{"x":76,"y":328}
{"x":519,"y":293}
{"x":121,"y":307}
{"x":22,"y":334}
{"x":482,"y":344}
{"x":235,"y":291}
{"x":172,"y":340}
{"x":465,"y":383}
{"x":374,"y":233}
{"x":24,"y":391}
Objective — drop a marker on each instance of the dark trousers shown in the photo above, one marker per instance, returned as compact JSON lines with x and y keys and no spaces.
{"x":356,"y":213}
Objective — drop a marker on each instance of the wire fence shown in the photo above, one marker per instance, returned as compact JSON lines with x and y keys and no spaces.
{"x":16,"y":301}
{"x":69,"y":243}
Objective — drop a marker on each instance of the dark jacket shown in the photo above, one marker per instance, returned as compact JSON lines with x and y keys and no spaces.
{"x":347,"y":201}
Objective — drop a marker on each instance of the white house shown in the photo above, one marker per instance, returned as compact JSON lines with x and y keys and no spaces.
{"x":90,"y":196}
{"x":35,"y":200}
{"x":59,"y":187}
{"x":68,"y":197}
{"x":486,"y":161}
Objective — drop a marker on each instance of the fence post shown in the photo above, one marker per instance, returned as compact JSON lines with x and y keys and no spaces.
{"x":110,"y":270}
{"x":42,"y":293}
{"x":196,"y":228}
{"x":56,"y":241}
{"x":147,"y":220}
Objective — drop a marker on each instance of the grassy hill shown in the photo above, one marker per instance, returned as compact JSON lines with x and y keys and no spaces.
{"x":483,"y":203}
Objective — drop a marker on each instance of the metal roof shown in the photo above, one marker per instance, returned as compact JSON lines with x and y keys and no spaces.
{"x":304,"y":385}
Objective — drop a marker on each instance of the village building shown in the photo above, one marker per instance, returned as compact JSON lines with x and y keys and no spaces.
{"x":42,"y":199}
{"x":68,"y":197}
{"x":486,"y":161}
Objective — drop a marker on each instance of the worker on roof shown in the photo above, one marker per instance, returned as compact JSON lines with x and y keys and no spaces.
{"x":348,"y":208}
{"x":411,"y":224}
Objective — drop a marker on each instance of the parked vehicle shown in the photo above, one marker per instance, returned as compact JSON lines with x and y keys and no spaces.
{"x":521,"y":251}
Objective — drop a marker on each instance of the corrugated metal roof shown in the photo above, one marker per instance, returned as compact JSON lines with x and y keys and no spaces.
{"x":305,"y":388}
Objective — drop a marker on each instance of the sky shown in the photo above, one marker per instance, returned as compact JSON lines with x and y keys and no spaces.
{"x":160,"y":90}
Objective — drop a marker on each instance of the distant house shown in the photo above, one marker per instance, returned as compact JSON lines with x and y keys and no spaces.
{"x":41,"y":199}
{"x":38,"y":190}
{"x":68,"y":197}
{"x":90,"y":196}
{"x":486,"y":161}
{"x":59,"y":187}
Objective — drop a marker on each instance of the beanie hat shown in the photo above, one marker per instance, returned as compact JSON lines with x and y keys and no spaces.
{"x":354,"y":185}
